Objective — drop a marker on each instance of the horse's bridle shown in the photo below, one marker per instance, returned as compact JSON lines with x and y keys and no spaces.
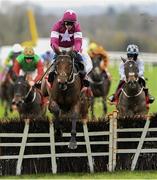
{"x":71,"y":77}
{"x":27,"y":94}
{"x":127,"y":81}
{"x":133,"y":95}
{"x":34,"y":94}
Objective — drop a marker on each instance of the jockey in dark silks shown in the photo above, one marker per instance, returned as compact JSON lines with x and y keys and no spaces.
{"x":47,"y":58}
{"x":66,"y":35}
{"x":132,"y":53}
{"x":97,"y":50}
{"x":30,"y":63}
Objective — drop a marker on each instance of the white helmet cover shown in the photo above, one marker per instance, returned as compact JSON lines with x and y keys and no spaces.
{"x":132,"y":49}
{"x":17,"y":48}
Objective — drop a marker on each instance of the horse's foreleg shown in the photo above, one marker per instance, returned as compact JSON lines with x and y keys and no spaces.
{"x":92,"y":108}
{"x":6,"y":110}
{"x":73,"y":143}
{"x":104,"y":106}
{"x":55,"y":110}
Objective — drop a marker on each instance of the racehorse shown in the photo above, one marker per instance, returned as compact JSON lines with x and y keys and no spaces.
{"x":100,"y":83}
{"x":6,"y":91}
{"x":27,"y":99}
{"x":132,"y":99}
{"x":65,"y":95}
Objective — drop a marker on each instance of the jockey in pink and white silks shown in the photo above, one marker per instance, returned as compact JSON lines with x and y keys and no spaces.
{"x":66,"y":35}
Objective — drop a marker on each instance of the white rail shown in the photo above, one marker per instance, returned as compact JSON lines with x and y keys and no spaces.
{"x":111,"y":143}
{"x":52,"y":144}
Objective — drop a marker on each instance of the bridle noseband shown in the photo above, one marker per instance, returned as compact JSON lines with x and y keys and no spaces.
{"x":127,"y":82}
{"x":71,"y":77}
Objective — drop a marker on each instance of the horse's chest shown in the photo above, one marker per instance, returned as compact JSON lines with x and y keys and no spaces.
{"x":66,"y":99}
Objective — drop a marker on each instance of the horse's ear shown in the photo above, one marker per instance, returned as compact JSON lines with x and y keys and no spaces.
{"x":123,"y":59}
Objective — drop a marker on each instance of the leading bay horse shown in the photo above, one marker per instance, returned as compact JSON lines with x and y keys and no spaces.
{"x":132,"y":99}
{"x":64,"y":96}
{"x":100,"y":84}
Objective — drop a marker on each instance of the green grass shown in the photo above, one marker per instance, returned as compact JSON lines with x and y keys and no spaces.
{"x":150,"y":73}
{"x":104,"y":175}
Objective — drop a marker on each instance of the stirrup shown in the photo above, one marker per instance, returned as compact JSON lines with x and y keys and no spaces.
{"x":151,"y":99}
{"x":111,"y":98}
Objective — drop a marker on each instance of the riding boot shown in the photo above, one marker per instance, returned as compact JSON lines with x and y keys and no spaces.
{"x":86,"y":88}
{"x":79,"y":64}
{"x":150,"y":97}
{"x":142,"y":81}
{"x":117,"y":92}
{"x":79,"y":58}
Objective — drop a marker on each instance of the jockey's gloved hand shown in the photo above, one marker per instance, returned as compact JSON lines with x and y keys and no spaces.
{"x":73,"y":54}
{"x":31,"y":83}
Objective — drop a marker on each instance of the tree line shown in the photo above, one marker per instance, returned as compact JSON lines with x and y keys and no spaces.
{"x":112,"y":30}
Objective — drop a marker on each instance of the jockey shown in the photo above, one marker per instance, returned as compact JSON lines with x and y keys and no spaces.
{"x":132,"y":53}
{"x":29,"y":62}
{"x":91,"y":48}
{"x":48,"y":57}
{"x":66,"y":34}
{"x":15,"y":51}
{"x":95,"y":50}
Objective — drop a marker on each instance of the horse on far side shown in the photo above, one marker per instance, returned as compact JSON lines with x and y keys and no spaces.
{"x":6,"y":91}
{"x":28,"y":99}
{"x":100,"y":84}
{"x":132,"y":99}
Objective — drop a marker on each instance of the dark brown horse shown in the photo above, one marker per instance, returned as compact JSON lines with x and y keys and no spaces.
{"x":6,"y":91}
{"x":28,"y":99}
{"x":132,"y":99}
{"x":65,"y":95}
{"x":100,"y":84}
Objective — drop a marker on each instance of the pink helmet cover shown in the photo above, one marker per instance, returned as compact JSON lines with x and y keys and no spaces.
{"x":70,"y":15}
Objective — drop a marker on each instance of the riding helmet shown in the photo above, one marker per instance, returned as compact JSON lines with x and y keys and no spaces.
{"x":132,"y":49}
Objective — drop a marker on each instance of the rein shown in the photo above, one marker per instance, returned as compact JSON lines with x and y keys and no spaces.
{"x":134,"y":95}
{"x":72,"y":75}
{"x":34,"y":94}
{"x":29,"y":91}
{"x":95,"y":82}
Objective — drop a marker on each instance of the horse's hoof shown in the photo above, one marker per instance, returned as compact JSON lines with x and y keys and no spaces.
{"x":58,"y":133}
{"x":72,"y":145}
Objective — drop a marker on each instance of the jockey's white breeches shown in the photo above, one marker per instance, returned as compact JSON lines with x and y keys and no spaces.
{"x":87,"y":62}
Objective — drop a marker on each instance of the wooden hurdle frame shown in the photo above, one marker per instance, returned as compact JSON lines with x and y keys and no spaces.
{"x":53,"y":155}
{"x":112,"y":144}
{"x":140,"y":141}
